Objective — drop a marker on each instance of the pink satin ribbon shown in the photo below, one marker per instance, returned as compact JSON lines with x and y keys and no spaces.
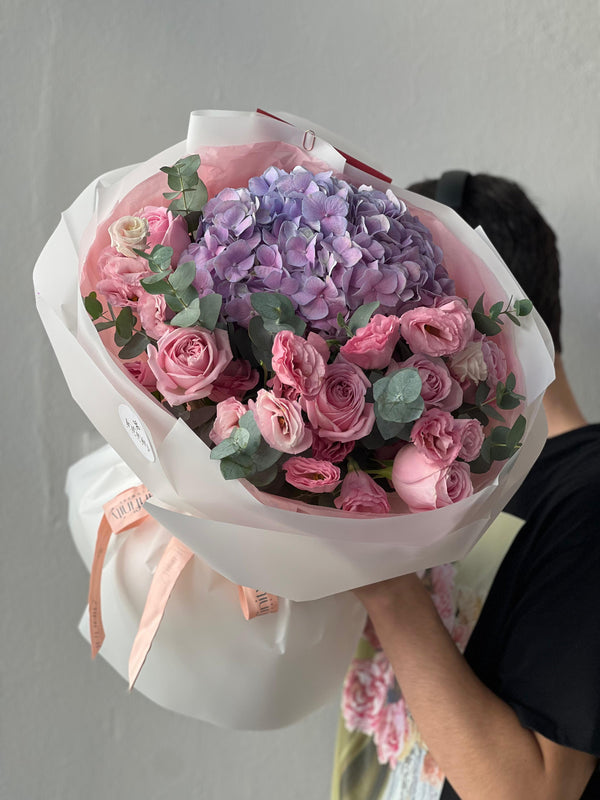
{"x":122,"y":513}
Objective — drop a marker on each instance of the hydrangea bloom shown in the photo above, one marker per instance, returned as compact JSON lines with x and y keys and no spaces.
{"x":329,"y":246}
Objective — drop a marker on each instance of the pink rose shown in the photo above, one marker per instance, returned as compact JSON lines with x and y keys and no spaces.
{"x":440,"y":330}
{"x":311,"y":475}
{"x":495,"y":361}
{"x":330,"y":450}
{"x":424,"y":485}
{"x":280,"y":422}
{"x":439,"y":387}
{"x":339,"y":410}
{"x":471,"y":437}
{"x":141,"y":372}
{"x":364,"y":692}
{"x":237,"y":378}
{"x":391,"y":732}
{"x":360,"y":493}
{"x":188,"y":362}
{"x":229,"y":413}
{"x":297,"y":363}
{"x":152,"y":311}
{"x":166,"y":229}
{"x":372,"y":346}
{"x":436,"y":435}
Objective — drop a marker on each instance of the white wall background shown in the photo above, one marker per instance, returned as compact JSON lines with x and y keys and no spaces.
{"x":507,"y":87}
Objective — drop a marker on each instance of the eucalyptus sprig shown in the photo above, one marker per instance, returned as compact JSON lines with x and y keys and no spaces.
{"x":274,"y":313}
{"x":500,"y":445}
{"x":491,"y":323}
{"x":177,"y":288}
{"x":504,"y":398}
{"x":245,"y":454}
{"x":132,"y":343}
{"x":189,"y":194}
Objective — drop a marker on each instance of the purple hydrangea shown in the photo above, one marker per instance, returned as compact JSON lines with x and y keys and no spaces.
{"x":325,"y":244}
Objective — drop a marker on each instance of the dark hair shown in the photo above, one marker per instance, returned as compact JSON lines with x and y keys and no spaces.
{"x":518,"y":231}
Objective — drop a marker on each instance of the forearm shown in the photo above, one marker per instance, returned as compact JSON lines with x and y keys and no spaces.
{"x":475,"y":737}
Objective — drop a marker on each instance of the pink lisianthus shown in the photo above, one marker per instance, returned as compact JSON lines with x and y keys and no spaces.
{"x":188,"y":361}
{"x":165,"y":229}
{"x":311,"y":475}
{"x":121,"y":275}
{"x":423,"y":485}
{"x":236,"y":380}
{"x":140,"y":371}
{"x":280,"y":422}
{"x":297,"y":363}
{"x":372,"y":346}
{"x":391,"y":732}
{"x":471,"y":437}
{"x":152,"y":311}
{"x":439,"y":388}
{"x":339,"y":411}
{"x":280,"y":389}
{"x":439,"y":330}
{"x":229,"y":413}
{"x":360,"y":493}
{"x":436,"y":435}
{"x":330,"y":450}
{"x":364,"y":692}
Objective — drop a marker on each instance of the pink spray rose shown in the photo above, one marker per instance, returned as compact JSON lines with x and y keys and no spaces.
{"x":330,"y":450}
{"x":229,"y":413}
{"x":436,"y":435}
{"x":471,"y":437}
{"x":152,"y":311}
{"x":440,"y":330}
{"x":311,"y":475}
{"x":360,"y":493}
{"x":297,"y":363}
{"x":141,"y":372}
{"x":365,"y":691}
{"x":372,"y":346}
{"x":237,"y":378}
{"x":280,"y":422}
{"x":339,"y":410}
{"x":439,"y":387}
{"x":165,"y":229}
{"x":423,"y":485}
{"x":188,"y":361}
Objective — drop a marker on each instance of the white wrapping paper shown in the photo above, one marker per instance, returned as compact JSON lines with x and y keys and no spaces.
{"x":207,"y":661}
{"x":300,"y":556}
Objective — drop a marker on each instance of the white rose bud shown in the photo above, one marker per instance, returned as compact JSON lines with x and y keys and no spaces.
{"x":469,"y":364}
{"x":127,"y":233}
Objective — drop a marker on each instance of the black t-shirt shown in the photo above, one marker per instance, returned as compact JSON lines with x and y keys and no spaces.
{"x":537,"y":641}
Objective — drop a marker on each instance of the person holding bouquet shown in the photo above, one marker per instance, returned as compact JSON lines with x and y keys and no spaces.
{"x":517,"y":714}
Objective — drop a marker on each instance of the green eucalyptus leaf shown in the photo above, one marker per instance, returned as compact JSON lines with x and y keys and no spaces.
{"x":512,"y":318}
{"x":210,"y":308}
{"x":237,"y":466}
{"x":272,"y":306}
{"x":183,"y":276}
{"x":478,"y":307}
{"x":124,"y":324}
{"x":264,"y":478}
{"x":392,"y":430}
{"x":479,"y":466}
{"x":495,"y":309}
{"x":135,"y":346}
{"x":485,"y":325}
{"x":196,"y":199}
{"x":511,"y":382}
{"x":224,"y":449}
{"x":398,"y":396}
{"x":517,"y":431}
{"x":262,"y":342}
{"x":248,"y":423}
{"x":240,"y":438}
{"x":491,"y":412}
{"x":160,"y":286}
{"x":523,"y":307}
{"x":500,"y":434}
{"x":187,"y":316}
{"x":362,"y":315}
{"x":482,"y":393}
{"x":102,"y":326}
{"x":173,"y":301}
{"x":93,"y":306}
{"x":265,"y":457}
{"x":149,"y":280}
{"x":188,"y":165}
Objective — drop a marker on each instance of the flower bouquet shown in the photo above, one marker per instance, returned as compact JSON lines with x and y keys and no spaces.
{"x":322,"y":380}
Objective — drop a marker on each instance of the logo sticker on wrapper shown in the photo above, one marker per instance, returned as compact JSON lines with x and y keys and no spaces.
{"x":137,"y":433}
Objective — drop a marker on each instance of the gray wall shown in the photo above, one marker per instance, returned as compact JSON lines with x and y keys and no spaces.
{"x":507,"y":87}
